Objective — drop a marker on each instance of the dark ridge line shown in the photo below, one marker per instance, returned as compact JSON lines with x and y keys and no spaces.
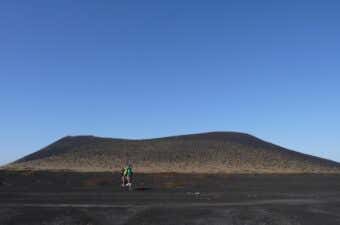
{"x":238,"y":137}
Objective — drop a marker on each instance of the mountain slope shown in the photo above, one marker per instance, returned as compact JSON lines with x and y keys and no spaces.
{"x":223,"y":152}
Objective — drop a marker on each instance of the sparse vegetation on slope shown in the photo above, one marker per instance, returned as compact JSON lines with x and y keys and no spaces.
{"x":217,"y":152}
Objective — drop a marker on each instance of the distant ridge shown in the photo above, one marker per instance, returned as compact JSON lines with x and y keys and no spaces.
{"x":214,"y":152}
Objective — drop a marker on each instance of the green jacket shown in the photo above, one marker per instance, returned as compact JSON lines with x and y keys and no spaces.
{"x":128,"y":171}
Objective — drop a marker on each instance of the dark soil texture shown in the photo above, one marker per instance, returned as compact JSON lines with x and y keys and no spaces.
{"x":67,"y":198}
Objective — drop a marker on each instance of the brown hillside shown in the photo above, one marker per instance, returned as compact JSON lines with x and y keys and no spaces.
{"x":217,"y":152}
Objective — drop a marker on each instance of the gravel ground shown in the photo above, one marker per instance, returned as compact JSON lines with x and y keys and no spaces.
{"x":64,"y":198}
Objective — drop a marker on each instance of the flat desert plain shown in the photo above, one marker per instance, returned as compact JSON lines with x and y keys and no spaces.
{"x":68,"y":198}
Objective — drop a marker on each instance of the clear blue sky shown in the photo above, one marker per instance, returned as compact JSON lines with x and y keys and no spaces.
{"x":140,"y":69}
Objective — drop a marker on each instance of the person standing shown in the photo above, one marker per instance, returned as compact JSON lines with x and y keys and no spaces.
{"x":122,"y":174}
{"x":128,"y":174}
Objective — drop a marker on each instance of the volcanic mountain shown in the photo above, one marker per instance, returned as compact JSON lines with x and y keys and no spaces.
{"x":215,"y":152}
